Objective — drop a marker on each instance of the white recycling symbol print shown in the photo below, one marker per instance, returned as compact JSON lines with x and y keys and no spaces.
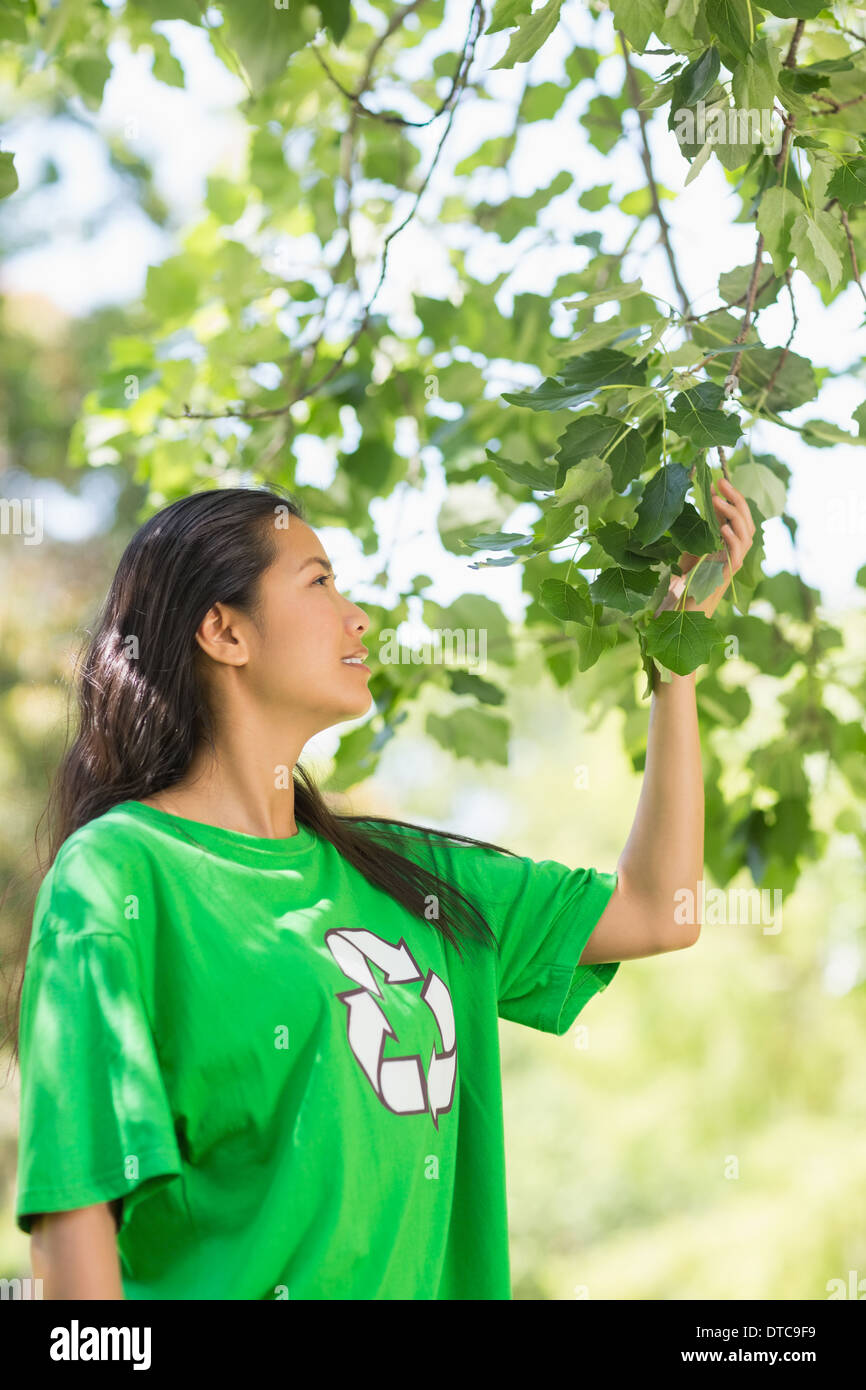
{"x":400,"y":1082}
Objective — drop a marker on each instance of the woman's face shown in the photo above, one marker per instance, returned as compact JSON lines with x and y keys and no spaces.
{"x":295,"y":657}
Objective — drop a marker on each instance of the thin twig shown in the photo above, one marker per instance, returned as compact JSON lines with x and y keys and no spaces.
{"x":358,"y":107}
{"x":732,"y":303}
{"x":833,"y":103}
{"x":646,"y":156}
{"x":844,"y":216}
{"x":476,"y":20}
{"x":785,"y":350}
{"x":789,"y":62}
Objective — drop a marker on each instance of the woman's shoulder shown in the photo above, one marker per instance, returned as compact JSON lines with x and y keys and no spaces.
{"x":95,"y":871}
{"x":112,"y":838}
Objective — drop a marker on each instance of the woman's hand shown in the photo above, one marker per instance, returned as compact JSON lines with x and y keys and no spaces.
{"x":738,"y":529}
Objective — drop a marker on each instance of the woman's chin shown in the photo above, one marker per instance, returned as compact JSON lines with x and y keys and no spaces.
{"x":357,"y":707}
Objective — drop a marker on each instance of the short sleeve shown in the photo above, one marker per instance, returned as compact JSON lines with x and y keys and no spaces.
{"x":542,"y":914}
{"x":547,"y":913}
{"x":95,"y":1121}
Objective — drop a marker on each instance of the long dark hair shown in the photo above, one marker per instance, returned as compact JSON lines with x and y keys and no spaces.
{"x":140,"y":721}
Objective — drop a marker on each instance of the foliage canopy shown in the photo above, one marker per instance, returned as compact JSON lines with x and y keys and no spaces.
{"x":244,"y":341}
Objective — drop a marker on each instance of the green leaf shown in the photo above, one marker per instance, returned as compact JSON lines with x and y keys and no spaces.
{"x":762,"y":644}
{"x":662,"y":502}
{"x":704,"y":578}
{"x":734,"y":285}
{"x":90,"y":74}
{"x":599,"y":335}
{"x":541,"y":102}
{"x":467,"y":683}
{"x":581,"y":63}
{"x":598,"y":636}
{"x":570,"y":602}
{"x":648,"y":664}
{"x":606,"y":367}
{"x":13,"y":26}
{"x":753,"y":81}
{"x":471,"y":733}
{"x":822,"y":434}
{"x":172,"y":288}
{"x":550,"y":395}
{"x":507,"y":13}
{"x":494,"y":152}
{"x":692,"y":534}
{"x":729,"y":22}
{"x":225,"y":199}
{"x":499,"y":540}
{"x":586,"y":483}
{"x":508,"y":218}
{"x":473,"y":615}
{"x":693,"y":417}
{"x":702,"y":485}
{"x":619,"y":445}
{"x":166,"y":67}
{"x":638,"y":19}
{"x":695,"y":81}
{"x":794,"y":381}
{"x":594,"y":199}
{"x":617,"y":542}
{"x":777,"y":213}
{"x":533,"y":30}
{"x":356,"y":758}
{"x":186,"y":10}
{"x":756,"y":481}
{"x":8,"y":175}
{"x":542,"y":478}
{"x":335,"y":17}
{"x":626,"y":590}
{"x":848,"y":184}
{"x":262,"y":37}
{"x":794,"y":9}
{"x":812,"y":242}
{"x":618,"y":292}
{"x":682,"y":640}
{"x":788,"y":594}
{"x":602,"y":122}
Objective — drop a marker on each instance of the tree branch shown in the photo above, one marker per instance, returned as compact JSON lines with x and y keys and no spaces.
{"x":354,"y":98}
{"x":646,"y":156}
{"x":785,"y":350}
{"x":476,"y":21}
{"x":844,"y":218}
{"x":789,"y":62}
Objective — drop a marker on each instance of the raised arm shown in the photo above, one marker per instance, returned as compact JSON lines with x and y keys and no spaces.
{"x":664,"y":853}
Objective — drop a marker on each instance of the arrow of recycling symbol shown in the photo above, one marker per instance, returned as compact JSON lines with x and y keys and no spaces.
{"x":399,"y":1082}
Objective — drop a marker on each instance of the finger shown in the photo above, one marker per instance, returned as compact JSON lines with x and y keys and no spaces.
{"x":740,"y":514}
{"x":734,"y":517}
{"x":741,"y":503}
{"x":735,"y":545}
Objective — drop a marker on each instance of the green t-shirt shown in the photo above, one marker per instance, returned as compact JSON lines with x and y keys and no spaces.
{"x":293,"y":1082}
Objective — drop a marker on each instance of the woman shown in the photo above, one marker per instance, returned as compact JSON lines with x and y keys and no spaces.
{"x":258,"y":1040}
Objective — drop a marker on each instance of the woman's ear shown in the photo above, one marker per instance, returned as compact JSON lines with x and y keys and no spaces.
{"x":219,"y":636}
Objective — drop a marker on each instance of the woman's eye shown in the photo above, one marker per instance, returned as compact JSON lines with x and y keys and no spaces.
{"x":323,"y":579}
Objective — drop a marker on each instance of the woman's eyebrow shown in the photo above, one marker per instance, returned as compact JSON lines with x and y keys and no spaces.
{"x":316,"y":560}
